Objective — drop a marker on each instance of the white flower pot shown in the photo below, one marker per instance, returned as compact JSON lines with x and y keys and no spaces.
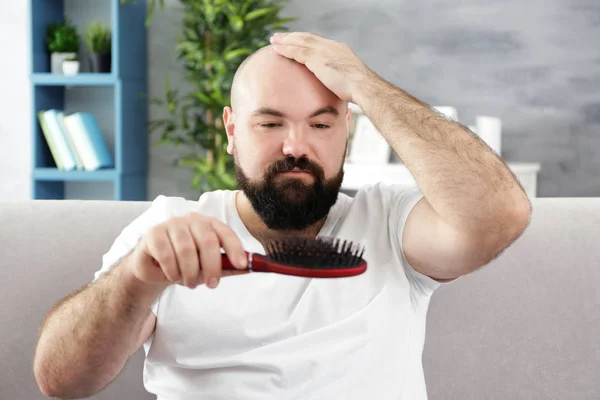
{"x":56,"y":61}
{"x":70,"y":67}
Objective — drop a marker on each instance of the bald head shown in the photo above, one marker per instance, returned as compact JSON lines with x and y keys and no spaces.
{"x":282,"y":118}
{"x":262,"y":61}
{"x":238,"y":77}
{"x":272,"y":75}
{"x":280,"y":113}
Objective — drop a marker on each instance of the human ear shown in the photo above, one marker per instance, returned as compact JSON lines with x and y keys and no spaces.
{"x":229,"y":122}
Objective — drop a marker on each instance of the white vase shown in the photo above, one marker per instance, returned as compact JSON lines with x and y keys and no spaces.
{"x":56,"y":61}
{"x":70,"y":67}
{"x":489,"y":130}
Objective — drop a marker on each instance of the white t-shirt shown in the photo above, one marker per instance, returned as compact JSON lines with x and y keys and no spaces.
{"x":269,"y":336}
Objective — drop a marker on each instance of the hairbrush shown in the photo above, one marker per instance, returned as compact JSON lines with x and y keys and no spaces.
{"x":323,"y":257}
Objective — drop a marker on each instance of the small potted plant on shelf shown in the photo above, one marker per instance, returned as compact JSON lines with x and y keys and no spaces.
{"x":70,"y":66}
{"x":98,"y":40}
{"x":62,"y":42}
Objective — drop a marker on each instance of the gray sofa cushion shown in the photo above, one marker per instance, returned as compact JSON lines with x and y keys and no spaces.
{"x":524,"y":327}
{"x":50,"y":248}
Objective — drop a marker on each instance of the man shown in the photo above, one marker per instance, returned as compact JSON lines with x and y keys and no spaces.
{"x":268,"y":336}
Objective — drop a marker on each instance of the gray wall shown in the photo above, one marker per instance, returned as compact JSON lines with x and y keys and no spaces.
{"x":164,"y":177}
{"x":535,"y":64}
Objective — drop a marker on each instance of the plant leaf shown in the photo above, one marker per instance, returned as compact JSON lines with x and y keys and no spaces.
{"x":204,"y":98}
{"x":237,"y":23}
{"x":252,"y":15}
{"x":232,"y":55}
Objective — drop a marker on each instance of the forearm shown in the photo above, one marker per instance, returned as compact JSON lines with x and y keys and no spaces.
{"x":86,"y":340}
{"x":468,"y":185}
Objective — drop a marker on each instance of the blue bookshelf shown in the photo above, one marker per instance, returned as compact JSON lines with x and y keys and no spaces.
{"x":127,"y":82}
{"x":81,"y":79}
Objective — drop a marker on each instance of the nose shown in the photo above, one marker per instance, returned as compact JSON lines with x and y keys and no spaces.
{"x":296,"y":145}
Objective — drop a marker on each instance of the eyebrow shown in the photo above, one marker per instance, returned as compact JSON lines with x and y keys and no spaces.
{"x":275,"y":113}
{"x":267,"y":111}
{"x":325,"y":110}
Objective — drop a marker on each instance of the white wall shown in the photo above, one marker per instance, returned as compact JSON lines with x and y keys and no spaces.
{"x":163,"y":177}
{"x":15,"y":104}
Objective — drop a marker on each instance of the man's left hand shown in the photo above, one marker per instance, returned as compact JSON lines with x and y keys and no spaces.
{"x":333,"y":63}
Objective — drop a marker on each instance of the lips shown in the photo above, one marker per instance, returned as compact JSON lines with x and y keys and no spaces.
{"x":297,"y":174}
{"x":297,"y":171}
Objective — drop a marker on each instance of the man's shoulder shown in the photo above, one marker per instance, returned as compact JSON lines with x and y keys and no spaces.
{"x":382,"y":192}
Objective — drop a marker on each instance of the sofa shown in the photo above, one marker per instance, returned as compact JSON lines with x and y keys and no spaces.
{"x":526,"y":326}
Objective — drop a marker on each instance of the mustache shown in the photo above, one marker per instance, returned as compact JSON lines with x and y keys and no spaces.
{"x":289,"y":163}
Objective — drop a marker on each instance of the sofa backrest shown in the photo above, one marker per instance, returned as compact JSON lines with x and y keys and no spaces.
{"x":525,"y":326}
{"x":49,"y":249}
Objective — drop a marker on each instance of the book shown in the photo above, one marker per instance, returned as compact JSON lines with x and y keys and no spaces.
{"x":50,"y":141}
{"x":60,"y":115}
{"x":57,"y":142}
{"x":88,"y":141}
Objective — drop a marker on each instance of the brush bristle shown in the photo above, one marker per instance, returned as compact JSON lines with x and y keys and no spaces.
{"x":306,"y":252}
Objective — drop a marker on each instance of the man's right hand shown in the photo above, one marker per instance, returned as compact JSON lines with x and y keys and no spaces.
{"x":188,"y":251}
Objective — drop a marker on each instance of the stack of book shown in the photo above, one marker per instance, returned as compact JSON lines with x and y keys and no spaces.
{"x":75,"y":140}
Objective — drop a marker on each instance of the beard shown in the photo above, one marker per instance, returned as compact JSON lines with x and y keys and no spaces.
{"x":289,"y":204}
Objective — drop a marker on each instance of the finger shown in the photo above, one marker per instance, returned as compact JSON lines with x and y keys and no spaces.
{"x":160,"y":248}
{"x":148,"y":269}
{"x":298,"y":53}
{"x":186,"y":253}
{"x":209,"y":247}
{"x":231,"y":243}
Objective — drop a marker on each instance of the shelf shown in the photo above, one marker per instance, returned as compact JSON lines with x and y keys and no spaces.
{"x":358,"y":175}
{"x":54,"y":174}
{"x":82,"y":79}
{"x":114,"y":98}
{"x":398,"y":169}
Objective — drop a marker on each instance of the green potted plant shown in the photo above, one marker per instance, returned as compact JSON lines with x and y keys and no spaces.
{"x":62,"y":42}
{"x":216,"y":36}
{"x":70,"y":66}
{"x":99,"y":43}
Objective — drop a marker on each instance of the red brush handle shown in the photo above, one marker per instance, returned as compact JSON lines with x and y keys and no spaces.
{"x":258,"y":263}
{"x":261,"y":264}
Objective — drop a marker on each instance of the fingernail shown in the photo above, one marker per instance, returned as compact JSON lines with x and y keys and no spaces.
{"x":243,"y":261}
{"x":212,"y":283}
